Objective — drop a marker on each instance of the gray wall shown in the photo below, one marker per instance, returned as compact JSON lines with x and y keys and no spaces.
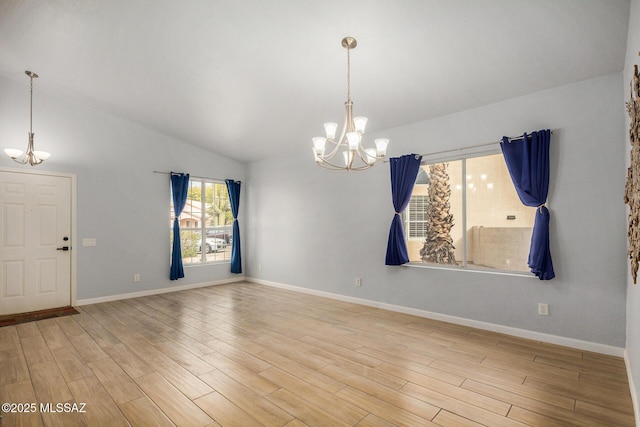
{"x":120,"y":201}
{"x":320,"y":229}
{"x":633,"y":291}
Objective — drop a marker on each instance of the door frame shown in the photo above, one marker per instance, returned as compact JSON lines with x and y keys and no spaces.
{"x":74,"y":245}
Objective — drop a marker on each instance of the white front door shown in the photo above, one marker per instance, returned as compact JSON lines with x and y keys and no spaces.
{"x":35,"y":227}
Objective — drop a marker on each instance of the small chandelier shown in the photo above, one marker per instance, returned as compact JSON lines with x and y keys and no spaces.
{"x":356,"y":157}
{"x":30,"y":156}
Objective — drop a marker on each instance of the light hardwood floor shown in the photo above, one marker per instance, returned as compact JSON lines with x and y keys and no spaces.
{"x":249,"y":355}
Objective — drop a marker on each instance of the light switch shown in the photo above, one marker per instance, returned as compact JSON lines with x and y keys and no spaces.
{"x":88,"y":242}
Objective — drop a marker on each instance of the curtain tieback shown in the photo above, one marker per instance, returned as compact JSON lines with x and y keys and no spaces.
{"x":398,"y":213}
{"x":540,"y":207}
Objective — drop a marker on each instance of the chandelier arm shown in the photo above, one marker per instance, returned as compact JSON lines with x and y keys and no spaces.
{"x":328,"y":165}
{"x":334,"y":151}
{"x":342,"y":134}
{"x":363,"y":167}
{"x":22,"y":160}
{"x":35,"y":161}
{"x":364,"y":157}
{"x":362,"y":154}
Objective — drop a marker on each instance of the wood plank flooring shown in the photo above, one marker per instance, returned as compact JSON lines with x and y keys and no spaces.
{"x":249,"y":355}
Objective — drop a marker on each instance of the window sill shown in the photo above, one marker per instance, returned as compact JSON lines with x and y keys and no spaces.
{"x":201,"y":264}
{"x":471,"y":270}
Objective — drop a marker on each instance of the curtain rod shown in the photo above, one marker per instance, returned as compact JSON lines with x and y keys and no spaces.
{"x":197,"y":177}
{"x":511,"y":138}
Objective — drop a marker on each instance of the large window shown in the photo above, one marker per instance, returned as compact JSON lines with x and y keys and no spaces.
{"x":205,"y":223}
{"x":465,"y":213}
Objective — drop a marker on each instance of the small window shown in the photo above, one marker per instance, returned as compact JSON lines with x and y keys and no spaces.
{"x":416,"y":222}
{"x":205,"y":223}
{"x":466,"y":214}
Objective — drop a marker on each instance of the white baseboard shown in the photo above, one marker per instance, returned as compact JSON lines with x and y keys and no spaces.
{"x":632,"y":388}
{"x":108,"y":298}
{"x":522,"y":333}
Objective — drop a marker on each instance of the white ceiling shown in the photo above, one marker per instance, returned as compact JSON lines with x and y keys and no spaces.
{"x":249,"y":79}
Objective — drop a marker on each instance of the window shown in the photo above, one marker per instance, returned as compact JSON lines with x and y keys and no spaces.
{"x":465,"y":213}
{"x":205,"y":223}
{"x":416,"y":223}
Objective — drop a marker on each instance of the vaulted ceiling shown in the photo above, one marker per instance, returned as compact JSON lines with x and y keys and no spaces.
{"x":249,"y":79}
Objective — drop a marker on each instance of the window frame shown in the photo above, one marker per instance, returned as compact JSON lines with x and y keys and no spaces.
{"x":201,"y":223}
{"x":461,"y":155}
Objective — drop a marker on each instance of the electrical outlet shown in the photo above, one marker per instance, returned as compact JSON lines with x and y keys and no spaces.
{"x":543,"y":309}
{"x":358,"y":281}
{"x":136,"y":277}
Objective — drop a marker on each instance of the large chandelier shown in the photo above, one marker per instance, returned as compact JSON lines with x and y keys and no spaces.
{"x":30,"y":156}
{"x":355,"y":156}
